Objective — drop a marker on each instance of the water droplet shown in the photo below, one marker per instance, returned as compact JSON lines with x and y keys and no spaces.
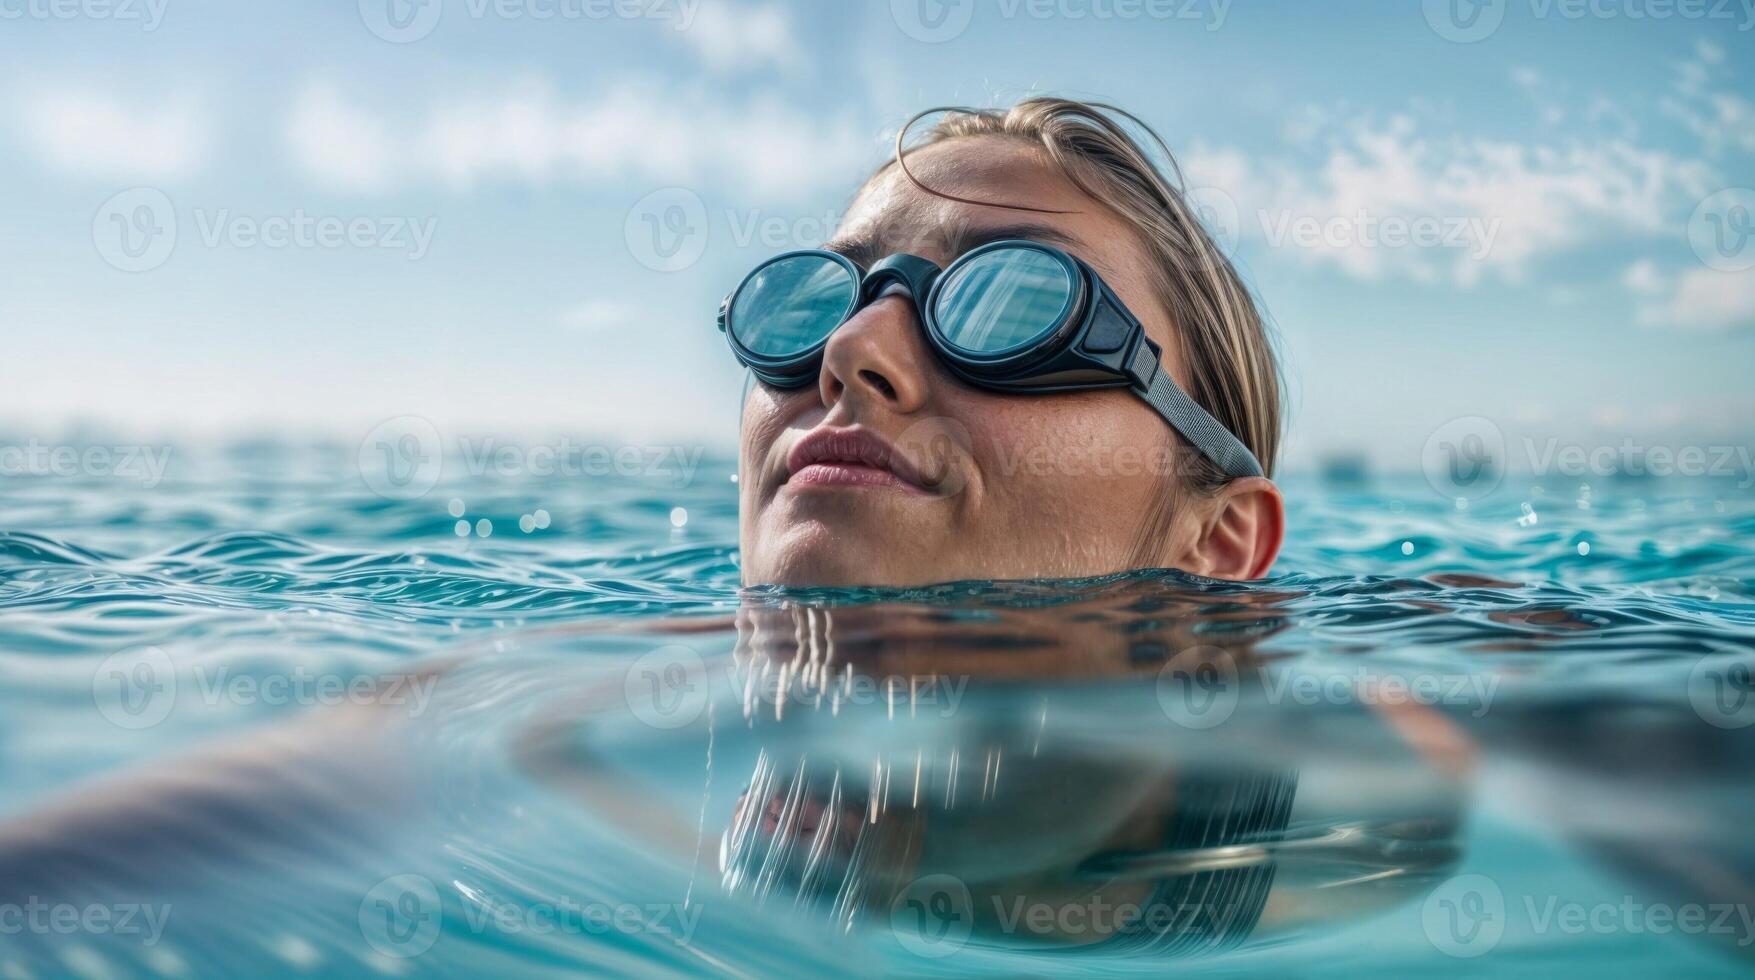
{"x":526,"y":523}
{"x":484,"y":527}
{"x":678,"y":517}
{"x":541,"y":518}
{"x":455,"y":507}
{"x":734,"y":477}
{"x":1584,"y":547}
{"x":462,"y":529}
{"x":1407,"y":547}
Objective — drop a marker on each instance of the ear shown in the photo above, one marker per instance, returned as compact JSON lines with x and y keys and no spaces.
{"x":1243,"y":531}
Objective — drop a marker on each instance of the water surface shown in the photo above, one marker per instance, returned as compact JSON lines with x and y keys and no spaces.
{"x":532,"y":724}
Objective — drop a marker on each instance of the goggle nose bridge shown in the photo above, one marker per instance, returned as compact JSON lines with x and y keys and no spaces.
{"x":910,"y":271}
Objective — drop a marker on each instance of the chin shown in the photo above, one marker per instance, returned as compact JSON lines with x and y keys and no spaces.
{"x":811,"y":553}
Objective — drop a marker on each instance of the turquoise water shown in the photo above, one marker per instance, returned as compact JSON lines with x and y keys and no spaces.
{"x":260,"y":719}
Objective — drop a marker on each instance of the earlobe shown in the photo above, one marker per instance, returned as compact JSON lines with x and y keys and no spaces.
{"x":1243,"y":535}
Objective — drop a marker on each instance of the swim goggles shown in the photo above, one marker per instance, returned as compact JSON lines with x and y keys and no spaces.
{"x":1009,"y":316}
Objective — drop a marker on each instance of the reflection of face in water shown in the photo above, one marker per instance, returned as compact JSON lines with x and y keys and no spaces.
{"x":1014,"y":816}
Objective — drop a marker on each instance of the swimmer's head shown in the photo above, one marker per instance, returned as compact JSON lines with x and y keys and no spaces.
{"x":924,"y":477}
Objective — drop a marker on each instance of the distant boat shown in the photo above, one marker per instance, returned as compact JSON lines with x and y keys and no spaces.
{"x":1345,"y":470}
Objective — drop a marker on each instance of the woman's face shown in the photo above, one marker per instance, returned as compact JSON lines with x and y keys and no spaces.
{"x":978,"y":484}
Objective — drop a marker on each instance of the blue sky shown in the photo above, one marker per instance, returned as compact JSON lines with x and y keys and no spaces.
{"x":519,"y":215}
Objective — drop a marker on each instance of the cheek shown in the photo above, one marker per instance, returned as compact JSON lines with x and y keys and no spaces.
{"x":765,"y":415}
{"x":1089,"y":457}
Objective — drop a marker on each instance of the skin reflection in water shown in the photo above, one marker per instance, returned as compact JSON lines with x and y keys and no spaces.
{"x":913,"y":773}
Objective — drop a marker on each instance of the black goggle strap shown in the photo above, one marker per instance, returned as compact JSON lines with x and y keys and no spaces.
{"x":1204,"y":432}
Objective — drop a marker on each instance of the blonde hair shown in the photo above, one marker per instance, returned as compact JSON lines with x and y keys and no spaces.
{"x":1222,"y":340}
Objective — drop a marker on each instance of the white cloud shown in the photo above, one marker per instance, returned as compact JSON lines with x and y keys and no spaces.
{"x":1486,"y":208}
{"x":1543,"y":92}
{"x":527,"y":133}
{"x":596,"y":315}
{"x":1642,"y":277}
{"x":1719,"y":119}
{"x":97,"y":134}
{"x":1706,"y":299}
{"x":733,"y":37}
{"x":332,"y":140}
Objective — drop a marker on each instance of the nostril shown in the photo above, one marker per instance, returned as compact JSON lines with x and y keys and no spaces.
{"x":879,"y":382}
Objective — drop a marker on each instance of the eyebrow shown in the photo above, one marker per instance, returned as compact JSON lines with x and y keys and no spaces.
{"x":868,"y":249}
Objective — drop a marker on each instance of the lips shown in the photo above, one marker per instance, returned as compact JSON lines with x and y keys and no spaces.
{"x":850,"y":457}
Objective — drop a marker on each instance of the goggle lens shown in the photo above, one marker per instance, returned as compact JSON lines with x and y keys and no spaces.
{"x":790,"y":305}
{"x":1003,"y":299}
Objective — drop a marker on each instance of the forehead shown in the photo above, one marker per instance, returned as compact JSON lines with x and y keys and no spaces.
{"x":893,"y":215}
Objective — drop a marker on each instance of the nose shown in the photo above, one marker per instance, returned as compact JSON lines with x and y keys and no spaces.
{"x":879,"y":357}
